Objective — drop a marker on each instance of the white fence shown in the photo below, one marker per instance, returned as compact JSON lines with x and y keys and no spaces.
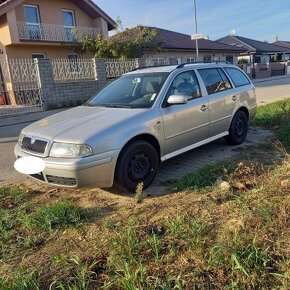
{"x":117,"y":67}
{"x":19,"y":86}
{"x":73,"y":70}
{"x":156,"y":62}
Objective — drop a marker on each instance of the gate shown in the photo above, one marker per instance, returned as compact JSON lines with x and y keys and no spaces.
{"x":20,"y":91}
{"x":277,"y":69}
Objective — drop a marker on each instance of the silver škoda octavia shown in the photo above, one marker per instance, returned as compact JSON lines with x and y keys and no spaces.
{"x":143,"y":118}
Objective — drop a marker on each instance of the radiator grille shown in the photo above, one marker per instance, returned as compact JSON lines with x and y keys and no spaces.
{"x":34,"y":145}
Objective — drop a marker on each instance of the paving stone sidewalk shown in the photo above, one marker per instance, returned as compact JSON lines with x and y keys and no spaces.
{"x":195,"y":159}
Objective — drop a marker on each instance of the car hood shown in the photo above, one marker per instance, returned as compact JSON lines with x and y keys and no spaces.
{"x":79,"y":124}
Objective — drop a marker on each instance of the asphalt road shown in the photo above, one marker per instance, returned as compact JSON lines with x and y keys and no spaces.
{"x":272,"y":90}
{"x":267,"y":91}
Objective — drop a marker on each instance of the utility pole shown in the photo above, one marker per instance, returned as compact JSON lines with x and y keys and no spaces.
{"x":196,"y":40}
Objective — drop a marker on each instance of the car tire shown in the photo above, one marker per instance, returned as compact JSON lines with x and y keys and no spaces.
{"x":137,"y":163}
{"x":238,"y":129}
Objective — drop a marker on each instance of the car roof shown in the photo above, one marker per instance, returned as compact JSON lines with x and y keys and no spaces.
{"x":170,"y":68}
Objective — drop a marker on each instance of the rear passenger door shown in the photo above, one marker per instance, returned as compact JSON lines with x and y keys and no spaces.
{"x":185,"y":124}
{"x":221,"y":99}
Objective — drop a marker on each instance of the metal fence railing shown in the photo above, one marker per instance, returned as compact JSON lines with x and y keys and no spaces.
{"x":117,"y":67}
{"x":72,"y":70}
{"x":19,"y":86}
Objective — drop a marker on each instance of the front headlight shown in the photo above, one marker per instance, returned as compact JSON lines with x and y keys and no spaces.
{"x":70,"y":150}
{"x":20,"y":139}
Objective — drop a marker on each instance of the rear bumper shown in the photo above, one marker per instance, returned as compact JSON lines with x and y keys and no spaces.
{"x":93,"y":171}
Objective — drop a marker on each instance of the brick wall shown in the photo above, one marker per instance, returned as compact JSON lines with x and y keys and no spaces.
{"x":57,"y":94}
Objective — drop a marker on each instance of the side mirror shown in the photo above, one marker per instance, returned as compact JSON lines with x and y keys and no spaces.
{"x":177,"y":100}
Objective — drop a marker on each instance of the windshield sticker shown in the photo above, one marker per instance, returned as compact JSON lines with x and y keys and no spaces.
{"x":153,"y":97}
{"x":137,"y":80}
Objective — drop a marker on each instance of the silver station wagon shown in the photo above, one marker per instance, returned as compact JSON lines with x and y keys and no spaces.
{"x":138,"y":121}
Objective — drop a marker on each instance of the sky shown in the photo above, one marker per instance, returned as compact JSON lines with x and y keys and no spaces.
{"x":257,"y":19}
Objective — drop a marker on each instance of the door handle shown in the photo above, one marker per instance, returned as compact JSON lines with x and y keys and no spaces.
{"x":203,"y":108}
{"x":234,"y":98}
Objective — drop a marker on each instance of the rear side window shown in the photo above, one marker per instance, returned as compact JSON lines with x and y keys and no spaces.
{"x":215,"y":80}
{"x":238,"y":78}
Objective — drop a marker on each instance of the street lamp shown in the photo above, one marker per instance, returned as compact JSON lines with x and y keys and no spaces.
{"x":196,"y":39}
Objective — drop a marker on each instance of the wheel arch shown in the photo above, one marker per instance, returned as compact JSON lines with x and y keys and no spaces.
{"x":152,"y":140}
{"x":243,"y":109}
{"x":144,"y":137}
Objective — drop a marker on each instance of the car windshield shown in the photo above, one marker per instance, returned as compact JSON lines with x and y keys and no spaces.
{"x":131,"y":91}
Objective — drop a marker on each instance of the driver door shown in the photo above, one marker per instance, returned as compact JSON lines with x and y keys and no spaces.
{"x":185,"y":124}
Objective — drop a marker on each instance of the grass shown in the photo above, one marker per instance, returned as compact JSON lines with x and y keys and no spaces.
{"x":195,"y":239}
{"x":60,"y":214}
{"x":21,"y":281}
{"x":204,"y":177}
{"x":24,"y":226}
{"x":275,"y":116}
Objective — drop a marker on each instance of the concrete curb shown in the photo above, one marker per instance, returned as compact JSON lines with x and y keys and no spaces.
{"x":270,"y":79}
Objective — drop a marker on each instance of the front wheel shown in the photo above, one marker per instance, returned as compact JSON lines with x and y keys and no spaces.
{"x":238,"y":129}
{"x":137,"y":163}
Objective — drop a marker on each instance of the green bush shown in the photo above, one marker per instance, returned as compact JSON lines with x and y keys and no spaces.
{"x":275,"y":116}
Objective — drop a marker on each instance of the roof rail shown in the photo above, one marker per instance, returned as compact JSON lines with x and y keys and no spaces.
{"x":195,"y":62}
{"x":143,"y":67}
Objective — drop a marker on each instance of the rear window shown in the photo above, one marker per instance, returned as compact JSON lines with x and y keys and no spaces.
{"x":238,"y":78}
{"x":215,"y":80}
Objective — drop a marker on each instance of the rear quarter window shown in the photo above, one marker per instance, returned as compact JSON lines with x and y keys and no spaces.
{"x":238,"y":78}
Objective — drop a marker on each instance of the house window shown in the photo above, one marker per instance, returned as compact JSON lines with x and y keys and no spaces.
{"x":190,"y":60}
{"x":173,"y":61}
{"x":207,"y":59}
{"x":32,"y":21}
{"x":69,"y":24}
{"x":257,"y":59}
{"x":38,"y":55}
{"x":230,"y":59}
{"x":159,"y":61}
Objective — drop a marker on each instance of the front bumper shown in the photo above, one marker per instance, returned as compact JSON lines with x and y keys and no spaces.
{"x":93,"y":171}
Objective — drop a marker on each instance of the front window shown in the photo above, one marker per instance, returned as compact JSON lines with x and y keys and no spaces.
{"x":32,"y":21}
{"x":69,"y":24}
{"x":131,"y":91}
{"x":185,"y":84}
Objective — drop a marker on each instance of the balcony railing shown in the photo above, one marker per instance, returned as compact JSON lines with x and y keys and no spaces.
{"x":52,"y":32}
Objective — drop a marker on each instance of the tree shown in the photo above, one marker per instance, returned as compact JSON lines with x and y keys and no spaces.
{"x":275,"y":57}
{"x":125,"y":44}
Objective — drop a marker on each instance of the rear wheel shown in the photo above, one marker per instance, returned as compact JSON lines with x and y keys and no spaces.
{"x":238,"y":129}
{"x":137,"y":163}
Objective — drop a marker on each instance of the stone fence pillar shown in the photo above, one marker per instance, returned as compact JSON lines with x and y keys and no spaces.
{"x":141,"y":62}
{"x":100,"y":70}
{"x":45,"y":79}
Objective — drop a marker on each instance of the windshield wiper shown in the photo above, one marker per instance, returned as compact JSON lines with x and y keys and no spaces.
{"x":117,"y":106}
